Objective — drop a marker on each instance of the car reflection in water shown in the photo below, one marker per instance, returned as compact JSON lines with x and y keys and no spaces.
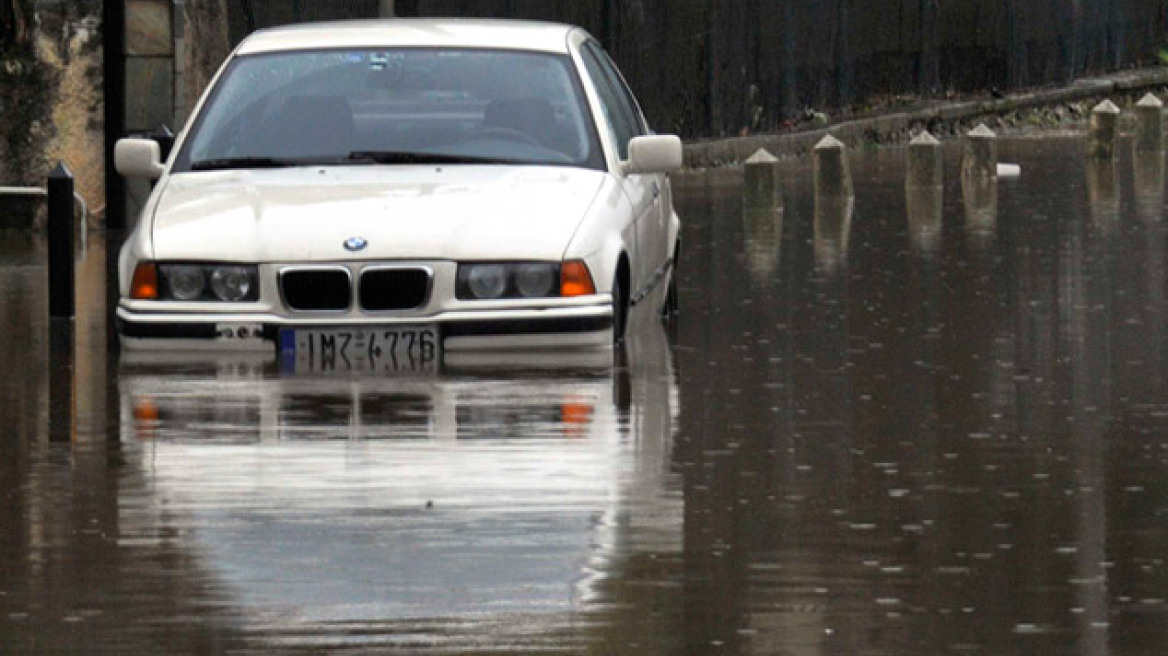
{"x":490,"y":488}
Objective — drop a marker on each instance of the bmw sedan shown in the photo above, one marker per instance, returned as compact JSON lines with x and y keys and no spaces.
{"x":385,"y":190}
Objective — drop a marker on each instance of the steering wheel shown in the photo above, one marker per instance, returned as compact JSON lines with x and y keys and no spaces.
{"x":510,"y":135}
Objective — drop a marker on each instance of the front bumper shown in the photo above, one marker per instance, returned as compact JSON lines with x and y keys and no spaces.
{"x":579,"y":327}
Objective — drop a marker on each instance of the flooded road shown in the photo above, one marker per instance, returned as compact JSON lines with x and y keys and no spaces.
{"x":937,"y":425}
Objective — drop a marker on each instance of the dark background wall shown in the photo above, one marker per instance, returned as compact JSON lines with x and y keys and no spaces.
{"x":50,"y":100}
{"x":721,"y":67}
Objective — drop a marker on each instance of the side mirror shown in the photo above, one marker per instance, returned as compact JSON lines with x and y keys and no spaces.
{"x":139,"y":158}
{"x":658,"y":153}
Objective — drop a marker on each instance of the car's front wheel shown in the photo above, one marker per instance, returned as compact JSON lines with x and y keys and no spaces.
{"x":620,"y":310}
{"x":671,"y":306}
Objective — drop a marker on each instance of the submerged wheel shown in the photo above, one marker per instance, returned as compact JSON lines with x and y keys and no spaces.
{"x":669,"y":308}
{"x":672,"y":306}
{"x":620,"y":311}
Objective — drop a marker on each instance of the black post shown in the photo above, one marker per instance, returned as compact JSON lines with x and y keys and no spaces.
{"x":62,"y":305}
{"x":114,"y":71}
{"x":61,"y":284}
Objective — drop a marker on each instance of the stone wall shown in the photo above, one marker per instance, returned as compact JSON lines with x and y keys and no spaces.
{"x":204,"y":45}
{"x":50,"y":100}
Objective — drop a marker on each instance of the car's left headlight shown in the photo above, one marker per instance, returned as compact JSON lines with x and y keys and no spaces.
{"x":228,"y":283}
{"x":483,"y":281}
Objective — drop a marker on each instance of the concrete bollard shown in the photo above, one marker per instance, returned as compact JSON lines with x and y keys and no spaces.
{"x":925,"y":207}
{"x":1149,"y":124}
{"x":833,"y":175}
{"x":981,"y":154}
{"x":763,"y":188}
{"x":1104,"y":131}
{"x":979,"y":186}
{"x":61,"y":278}
{"x":924,"y":166}
{"x":834,"y":203}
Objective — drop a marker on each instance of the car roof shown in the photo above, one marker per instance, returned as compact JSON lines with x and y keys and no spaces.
{"x":412,"y":33}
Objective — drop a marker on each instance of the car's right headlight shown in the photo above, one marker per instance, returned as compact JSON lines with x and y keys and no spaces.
{"x":200,"y":282}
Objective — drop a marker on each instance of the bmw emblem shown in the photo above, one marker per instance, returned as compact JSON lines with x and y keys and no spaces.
{"x":354,"y":244}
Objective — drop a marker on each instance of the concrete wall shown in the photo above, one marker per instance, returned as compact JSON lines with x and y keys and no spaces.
{"x":713,"y":69}
{"x":710,"y":69}
{"x":51,"y":100}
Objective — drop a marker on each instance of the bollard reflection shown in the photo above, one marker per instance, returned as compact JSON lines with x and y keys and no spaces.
{"x":833,"y":227}
{"x":763,"y":241}
{"x":1149,"y":185}
{"x":762,"y":217}
{"x":924,"y":206}
{"x":1103,"y":193}
{"x":981,"y":209}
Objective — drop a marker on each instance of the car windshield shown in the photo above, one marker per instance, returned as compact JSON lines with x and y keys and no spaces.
{"x":405,"y":106}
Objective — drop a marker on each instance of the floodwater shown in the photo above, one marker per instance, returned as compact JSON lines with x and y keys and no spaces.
{"x":921,"y":429}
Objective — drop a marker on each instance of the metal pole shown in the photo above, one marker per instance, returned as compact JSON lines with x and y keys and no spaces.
{"x":385,"y":8}
{"x":113,"y":49}
{"x":62,"y":305}
{"x":61,"y":283}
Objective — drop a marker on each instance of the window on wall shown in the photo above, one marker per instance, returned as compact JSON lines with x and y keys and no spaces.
{"x":624,"y":119}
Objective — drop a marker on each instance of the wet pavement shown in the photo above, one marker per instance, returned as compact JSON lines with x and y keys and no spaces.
{"x":908,"y":431}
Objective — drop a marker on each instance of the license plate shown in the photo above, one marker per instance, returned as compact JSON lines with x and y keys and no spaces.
{"x":383,"y":349}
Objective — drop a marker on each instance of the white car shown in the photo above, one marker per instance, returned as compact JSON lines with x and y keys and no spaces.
{"x":382,"y":190}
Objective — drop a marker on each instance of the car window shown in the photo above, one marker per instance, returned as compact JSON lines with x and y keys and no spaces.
{"x":420,"y":104}
{"x":621,"y":116}
{"x":628,"y":100}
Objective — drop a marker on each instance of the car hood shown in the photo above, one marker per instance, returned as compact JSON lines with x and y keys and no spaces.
{"x":402,"y":212}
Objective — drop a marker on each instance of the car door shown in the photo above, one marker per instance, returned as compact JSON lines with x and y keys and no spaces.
{"x":643,"y":191}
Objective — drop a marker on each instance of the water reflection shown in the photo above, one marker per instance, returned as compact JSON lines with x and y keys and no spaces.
{"x":833,"y":228}
{"x":924,"y":206}
{"x":916,"y":436}
{"x":811,"y":462}
{"x":371,"y":501}
{"x":762,"y":237}
{"x":1103,"y":192}
{"x":980,"y":194}
{"x":1149,"y":185}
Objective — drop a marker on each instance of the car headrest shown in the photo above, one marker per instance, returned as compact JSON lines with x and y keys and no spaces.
{"x":308,"y":126}
{"x":533,"y":116}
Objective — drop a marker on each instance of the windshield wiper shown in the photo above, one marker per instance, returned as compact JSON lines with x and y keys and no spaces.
{"x":399,"y":157}
{"x":223,"y":163}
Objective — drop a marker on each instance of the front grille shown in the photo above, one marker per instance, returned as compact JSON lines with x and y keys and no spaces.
{"x":316,"y":289}
{"x":394,"y":289}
